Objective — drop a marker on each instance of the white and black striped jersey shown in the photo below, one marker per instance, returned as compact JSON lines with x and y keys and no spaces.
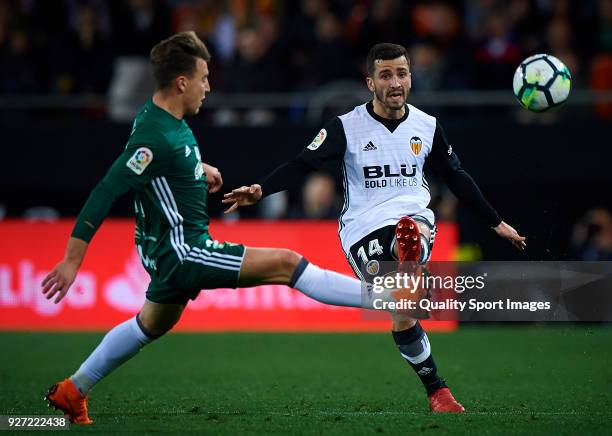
{"x":382,"y":172}
{"x":382,"y":164}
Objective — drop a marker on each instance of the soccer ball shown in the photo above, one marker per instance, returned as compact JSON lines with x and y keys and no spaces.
{"x":542,"y":82}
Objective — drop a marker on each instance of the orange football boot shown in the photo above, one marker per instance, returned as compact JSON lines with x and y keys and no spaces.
{"x":65,"y":396}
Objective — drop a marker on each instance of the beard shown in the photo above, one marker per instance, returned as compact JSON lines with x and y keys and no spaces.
{"x":380,"y":96}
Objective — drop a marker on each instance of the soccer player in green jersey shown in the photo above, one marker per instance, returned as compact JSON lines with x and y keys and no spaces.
{"x":161,"y":164}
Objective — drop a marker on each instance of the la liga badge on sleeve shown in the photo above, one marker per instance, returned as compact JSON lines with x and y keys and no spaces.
{"x":140,"y":160}
{"x":318,"y":140}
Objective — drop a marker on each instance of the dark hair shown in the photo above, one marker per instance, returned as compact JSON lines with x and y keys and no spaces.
{"x":385,"y":51}
{"x":175,"y":56}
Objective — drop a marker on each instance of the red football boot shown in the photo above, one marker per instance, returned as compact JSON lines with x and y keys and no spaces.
{"x":408,"y":240}
{"x":442,"y":401}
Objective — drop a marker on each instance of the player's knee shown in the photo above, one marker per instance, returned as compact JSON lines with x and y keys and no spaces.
{"x":284,"y":264}
{"x":155,"y":331}
{"x":155,"y":328}
{"x":287,"y":261}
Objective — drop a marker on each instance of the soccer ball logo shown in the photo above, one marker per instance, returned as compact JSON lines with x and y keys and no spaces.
{"x":542,"y":82}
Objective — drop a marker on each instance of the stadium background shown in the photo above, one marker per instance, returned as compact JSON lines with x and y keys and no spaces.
{"x":74,"y":72}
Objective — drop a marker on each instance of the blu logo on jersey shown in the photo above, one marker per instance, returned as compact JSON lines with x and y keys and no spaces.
{"x":377,"y":171}
{"x":384,"y":176}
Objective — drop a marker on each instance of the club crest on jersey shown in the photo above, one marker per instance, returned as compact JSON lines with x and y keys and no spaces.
{"x":140,"y":160}
{"x":318,"y":140}
{"x":373,"y":267}
{"x":416,"y":144}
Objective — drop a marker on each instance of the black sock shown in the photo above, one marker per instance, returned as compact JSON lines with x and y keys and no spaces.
{"x":413,"y":344}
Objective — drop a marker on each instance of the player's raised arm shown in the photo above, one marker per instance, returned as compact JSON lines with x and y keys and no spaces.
{"x":59,"y":280}
{"x":134,"y":168}
{"x":329,"y":144}
{"x":445,"y":162}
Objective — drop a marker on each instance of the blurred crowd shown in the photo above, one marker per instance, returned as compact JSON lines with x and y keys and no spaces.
{"x":101,"y":47}
{"x":71,"y":46}
{"x":592,"y":236}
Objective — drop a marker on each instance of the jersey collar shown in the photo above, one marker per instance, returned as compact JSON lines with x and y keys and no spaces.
{"x":391,"y":125}
{"x":167,"y":115}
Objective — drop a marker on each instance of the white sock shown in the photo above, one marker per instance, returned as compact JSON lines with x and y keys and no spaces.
{"x":119,"y":345}
{"x":330,"y":287}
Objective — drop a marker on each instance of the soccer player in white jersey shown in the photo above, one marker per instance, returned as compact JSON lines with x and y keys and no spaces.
{"x":383,"y":147}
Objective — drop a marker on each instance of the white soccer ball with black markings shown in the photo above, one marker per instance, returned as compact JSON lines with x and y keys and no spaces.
{"x":542,"y":82}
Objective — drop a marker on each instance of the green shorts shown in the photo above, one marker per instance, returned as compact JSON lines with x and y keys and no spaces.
{"x":209,"y":264}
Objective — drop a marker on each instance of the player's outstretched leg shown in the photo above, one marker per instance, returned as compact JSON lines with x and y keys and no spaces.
{"x":119,"y":345}
{"x":286,"y":267}
{"x":412,"y":247}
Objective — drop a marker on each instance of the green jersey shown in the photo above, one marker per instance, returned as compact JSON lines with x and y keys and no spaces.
{"x":161,"y":164}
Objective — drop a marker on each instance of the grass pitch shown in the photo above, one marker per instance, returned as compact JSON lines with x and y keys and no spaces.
{"x":511,"y":379}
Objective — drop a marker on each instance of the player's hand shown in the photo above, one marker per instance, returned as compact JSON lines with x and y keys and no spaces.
{"x":59,"y":280}
{"x":508,"y":232}
{"x":213,"y":178}
{"x":243,"y":196}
